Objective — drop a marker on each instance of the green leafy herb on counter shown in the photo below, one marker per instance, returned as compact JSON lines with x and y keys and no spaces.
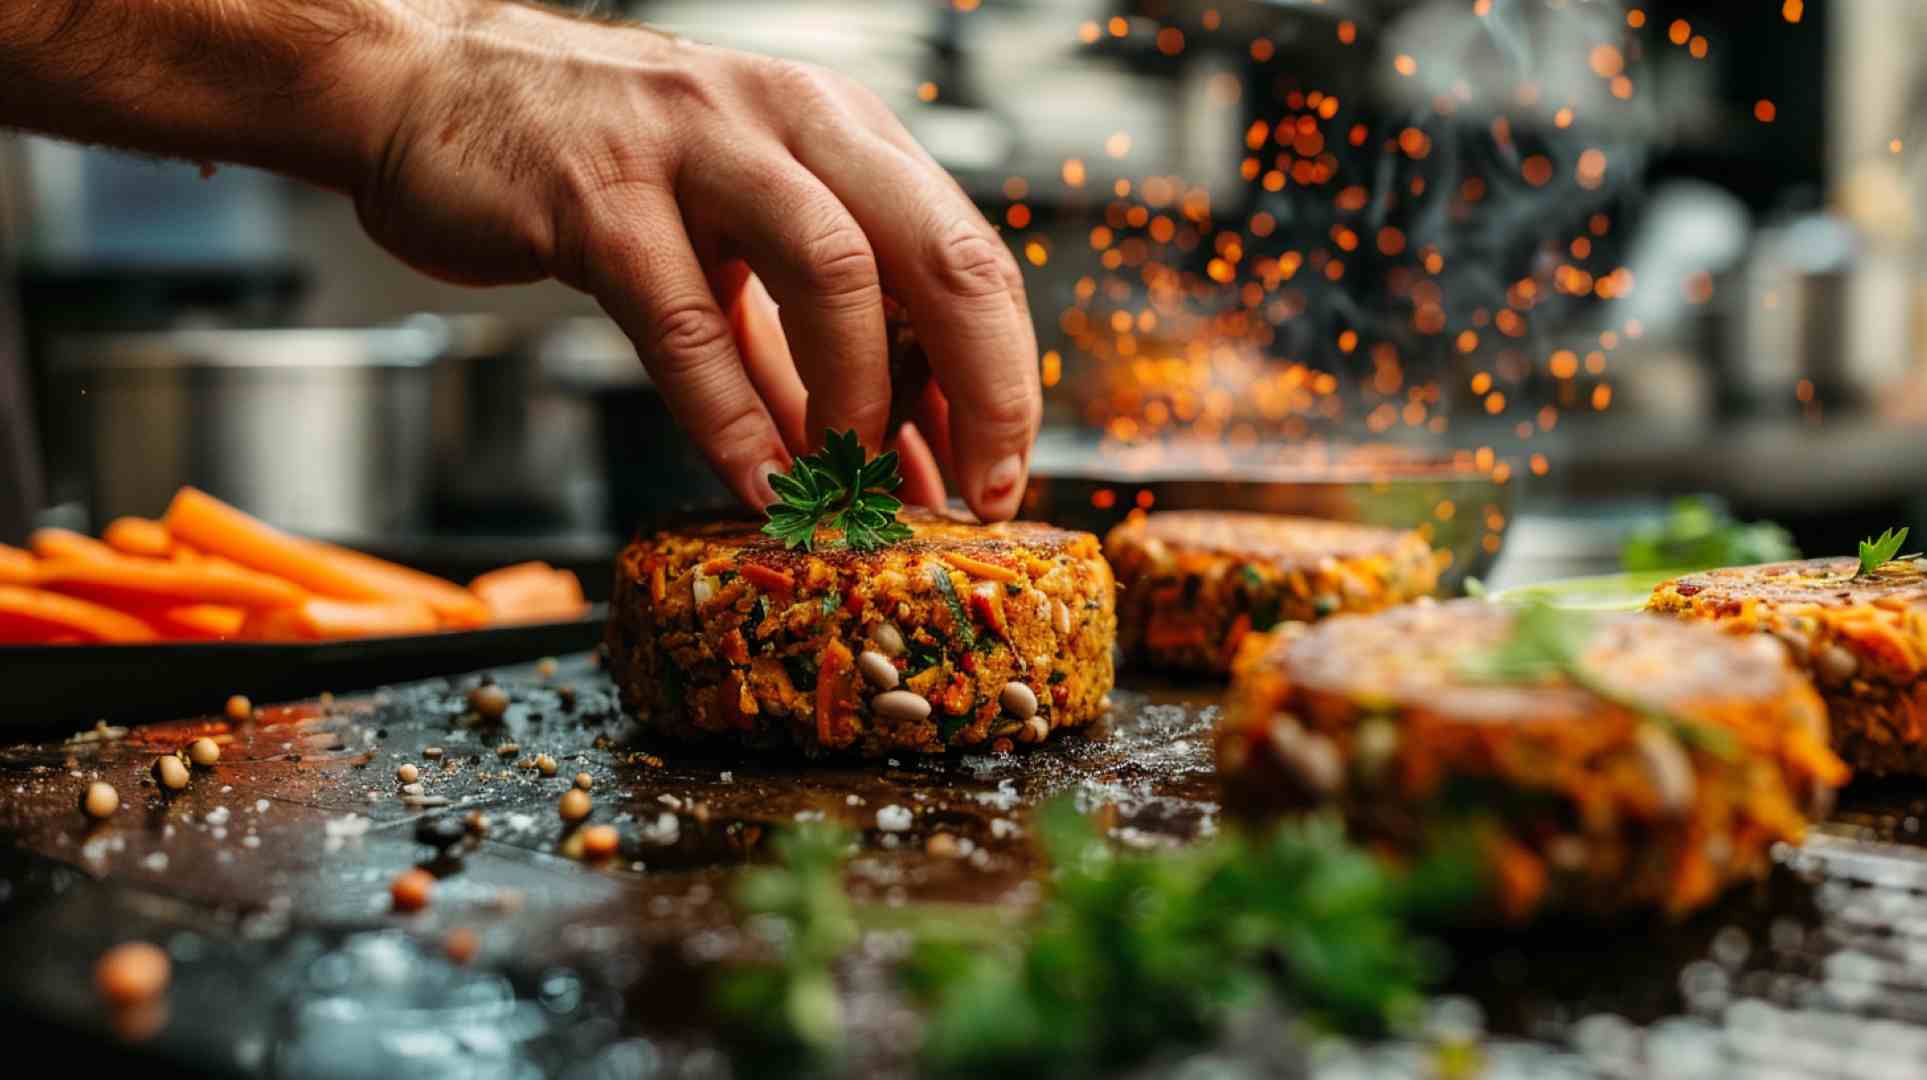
{"x":1132,"y":951}
{"x":1698,"y":536}
{"x":836,"y":487}
{"x":1877,"y":553}
{"x":1549,"y":643}
{"x":791,"y":1004}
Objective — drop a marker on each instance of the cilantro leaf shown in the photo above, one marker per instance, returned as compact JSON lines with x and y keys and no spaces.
{"x":836,"y":487}
{"x":1876,"y":553}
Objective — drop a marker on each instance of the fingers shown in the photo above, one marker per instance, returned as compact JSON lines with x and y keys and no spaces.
{"x":922,"y":480}
{"x":766,"y":356}
{"x":965,"y":296}
{"x":640,"y":266}
{"x":817,"y":264}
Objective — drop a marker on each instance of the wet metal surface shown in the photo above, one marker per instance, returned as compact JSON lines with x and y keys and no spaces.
{"x":267,"y":881}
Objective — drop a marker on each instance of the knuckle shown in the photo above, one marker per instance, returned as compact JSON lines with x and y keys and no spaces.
{"x":1012,"y":412}
{"x":739,"y":436}
{"x":973,"y":266}
{"x":688,"y":337}
{"x":794,"y":82}
{"x":840,"y":266}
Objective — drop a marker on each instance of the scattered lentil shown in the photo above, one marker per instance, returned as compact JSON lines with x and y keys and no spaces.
{"x":133,"y":973}
{"x":575,"y":805}
{"x":412,"y":889}
{"x":100,"y":800}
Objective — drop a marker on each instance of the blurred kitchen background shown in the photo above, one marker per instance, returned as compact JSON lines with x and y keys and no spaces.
{"x":1597,"y":253}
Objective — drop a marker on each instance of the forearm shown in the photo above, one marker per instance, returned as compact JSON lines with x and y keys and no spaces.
{"x":298,"y":86}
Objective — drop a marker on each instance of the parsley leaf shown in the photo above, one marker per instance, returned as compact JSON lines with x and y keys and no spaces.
{"x":838,"y":488}
{"x":1876,"y":553}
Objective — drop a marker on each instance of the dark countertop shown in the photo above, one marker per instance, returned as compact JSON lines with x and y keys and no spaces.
{"x":267,"y":882}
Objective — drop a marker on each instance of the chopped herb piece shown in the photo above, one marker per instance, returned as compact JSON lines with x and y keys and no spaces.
{"x":965,"y":631}
{"x":1057,"y":677}
{"x":1011,"y":588}
{"x":1699,"y":535}
{"x":922,"y":656}
{"x":1877,"y":553}
{"x":836,"y":487}
{"x":1252,"y":578}
{"x":948,"y":726}
{"x":802,"y":671}
{"x":831,"y":603}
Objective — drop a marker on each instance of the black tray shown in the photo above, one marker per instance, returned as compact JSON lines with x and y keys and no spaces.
{"x":51,"y":686}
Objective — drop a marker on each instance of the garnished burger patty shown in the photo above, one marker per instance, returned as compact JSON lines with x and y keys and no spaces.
{"x":1657,"y":770}
{"x":962,"y":636}
{"x":1863,"y":638}
{"x":1194,"y":583}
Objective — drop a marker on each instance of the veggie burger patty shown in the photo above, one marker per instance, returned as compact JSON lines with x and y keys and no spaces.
{"x":1659,"y":783}
{"x":1862,"y":637}
{"x":1196,"y":582}
{"x":964,"y":635}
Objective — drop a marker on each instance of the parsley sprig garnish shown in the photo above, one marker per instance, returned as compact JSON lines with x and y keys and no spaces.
{"x":838,"y":488}
{"x":1550,"y":643}
{"x":1877,"y":553}
{"x":1128,"y":952}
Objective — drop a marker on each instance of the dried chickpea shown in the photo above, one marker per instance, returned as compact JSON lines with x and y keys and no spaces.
{"x":170,"y":772}
{"x":575,"y":805}
{"x":584,"y":781}
{"x":411,"y":890}
{"x":240,"y":709}
{"x":100,"y":800}
{"x":408,"y":773}
{"x":490,"y":702}
{"x":132,"y":973}
{"x":600,"y":841}
{"x":204,"y":751}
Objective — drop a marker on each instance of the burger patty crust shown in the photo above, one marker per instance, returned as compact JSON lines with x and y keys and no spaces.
{"x":1863,"y":638}
{"x":1663,"y":781}
{"x":962,"y":636}
{"x":1194,"y":583}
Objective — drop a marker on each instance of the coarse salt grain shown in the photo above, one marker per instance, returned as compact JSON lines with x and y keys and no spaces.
{"x":894,"y":818}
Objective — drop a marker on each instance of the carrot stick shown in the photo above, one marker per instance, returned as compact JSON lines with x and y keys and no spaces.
{"x":35,"y":615}
{"x":216,"y":528}
{"x":319,"y":618}
{"x":18,"y":567}
{"x":193,"y":622}
{"x":124,"y":581}
{"x":530,"y":592}
{"x":139,"y":536}
{"x":452,"y":604}
{"x":67,"y":544}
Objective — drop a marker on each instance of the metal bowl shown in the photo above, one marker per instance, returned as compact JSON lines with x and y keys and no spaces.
{"x":321,"y":431}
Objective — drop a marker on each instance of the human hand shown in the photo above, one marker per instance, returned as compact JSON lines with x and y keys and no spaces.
{"x":656,"y":176}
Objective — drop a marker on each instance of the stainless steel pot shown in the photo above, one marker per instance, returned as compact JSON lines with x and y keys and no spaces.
{"x":326,"y":432}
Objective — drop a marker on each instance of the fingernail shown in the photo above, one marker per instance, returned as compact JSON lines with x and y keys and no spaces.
{"x":1002,"y":478}
{"x":764,"y":493}
{"x":759,"y":296}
